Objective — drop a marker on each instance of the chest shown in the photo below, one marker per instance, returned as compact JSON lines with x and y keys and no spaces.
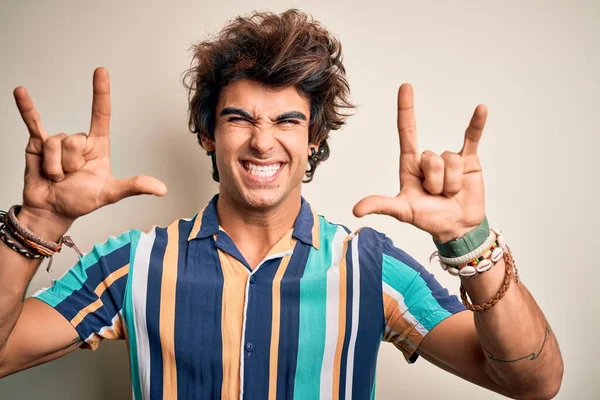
{"x":295,"y":319}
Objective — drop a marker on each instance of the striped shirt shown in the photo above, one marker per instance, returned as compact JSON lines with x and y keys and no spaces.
{"x":305,"y":323}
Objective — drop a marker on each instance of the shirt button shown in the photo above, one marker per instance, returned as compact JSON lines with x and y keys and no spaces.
{"x":252,"y":279}
{"x":250,"y":346}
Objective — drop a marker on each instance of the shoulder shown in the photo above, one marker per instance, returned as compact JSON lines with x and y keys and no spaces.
{"x":181,"y":227}
{"x":364,"y":234}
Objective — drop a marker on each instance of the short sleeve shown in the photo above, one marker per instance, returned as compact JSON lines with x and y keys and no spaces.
{"x":90,"y":294}
{"x":414,"y":302}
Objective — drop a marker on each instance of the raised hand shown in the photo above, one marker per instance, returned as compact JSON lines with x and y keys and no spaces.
{"x":67,"y":176}
{"x":440,"y":194}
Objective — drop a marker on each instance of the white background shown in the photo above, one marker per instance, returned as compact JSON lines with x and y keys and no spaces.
{"x":533,"y":63}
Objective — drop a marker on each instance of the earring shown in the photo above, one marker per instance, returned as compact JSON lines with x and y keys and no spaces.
{"x":210,"y":153}
{"x":313,"y":153}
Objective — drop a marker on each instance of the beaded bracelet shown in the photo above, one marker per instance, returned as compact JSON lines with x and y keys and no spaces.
{"x":497,"y":250}
{"x":509,"y":268}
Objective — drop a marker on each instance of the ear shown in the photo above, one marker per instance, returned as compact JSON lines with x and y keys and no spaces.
{"x":208,"y":144}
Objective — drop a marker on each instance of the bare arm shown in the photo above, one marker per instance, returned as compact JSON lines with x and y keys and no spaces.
{"x":66,"y":177}
{"x":32,"y":332}
{"x":509,"y":348}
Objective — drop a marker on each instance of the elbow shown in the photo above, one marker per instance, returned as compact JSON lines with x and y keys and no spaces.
{"x":3,"y":371}
{"x":546,"y":390}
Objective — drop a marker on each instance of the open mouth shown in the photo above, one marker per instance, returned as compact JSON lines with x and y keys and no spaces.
{"x":262,"y":172}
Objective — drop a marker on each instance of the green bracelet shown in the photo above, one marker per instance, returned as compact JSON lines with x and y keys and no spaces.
{"x":466,"y":244}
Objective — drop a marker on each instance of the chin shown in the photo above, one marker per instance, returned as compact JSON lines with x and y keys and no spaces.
{"x":263,"y":199}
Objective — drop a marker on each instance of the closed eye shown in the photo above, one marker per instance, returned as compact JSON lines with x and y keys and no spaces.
{"x":235,"y":119}
{"x":289,"y":121}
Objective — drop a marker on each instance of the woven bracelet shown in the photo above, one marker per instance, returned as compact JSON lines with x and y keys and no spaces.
{"x":510,"y":266}
{"x":27,"y":243}
{"x":10,"y":241}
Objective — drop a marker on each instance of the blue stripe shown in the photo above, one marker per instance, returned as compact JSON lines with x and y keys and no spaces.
{"x":371,"y":325}
{"x":290,"y":321}
{"x":85,"y":295}
{"x":155,"y":268}
{"x":112,"y":302}
{"x":225,"y":243}
{"x":348,"y":332}
{"x":258,"y":331}
{"x":198,"y":311}
{"x":78,"y":275}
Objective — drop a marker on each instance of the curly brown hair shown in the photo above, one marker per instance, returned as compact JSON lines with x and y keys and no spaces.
{"x":289,"y":49}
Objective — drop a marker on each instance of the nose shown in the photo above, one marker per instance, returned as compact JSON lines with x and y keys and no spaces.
{"x":263,"y":141}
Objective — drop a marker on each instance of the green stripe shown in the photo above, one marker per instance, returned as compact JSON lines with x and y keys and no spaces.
{"x":130,"y":320}
{"x":76,"y":276}
{"x":374,"y":388}
{"x":417,"y":295}
{"x":313,"y":303}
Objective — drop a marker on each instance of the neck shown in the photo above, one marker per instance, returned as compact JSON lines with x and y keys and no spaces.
{"x":257,"y":229}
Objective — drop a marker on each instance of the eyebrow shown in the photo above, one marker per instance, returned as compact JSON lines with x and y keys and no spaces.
{"x":238,"y":111}
{"x":291,"y":114}
{"x":235,"y":111}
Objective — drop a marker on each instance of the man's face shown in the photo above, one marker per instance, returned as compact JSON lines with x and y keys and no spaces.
{"x":261,"y":143}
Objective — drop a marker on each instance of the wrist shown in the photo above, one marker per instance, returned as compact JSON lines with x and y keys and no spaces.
{"x":461,"y":242}
{"x":44,"y":223}
{"x":450,"y":236}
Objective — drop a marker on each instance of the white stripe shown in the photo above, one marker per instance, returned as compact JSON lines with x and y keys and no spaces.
{"x":332,"y":315}
{"x":100,"y":333}
{"x":355,"y":313}
{"x":404,"y":309}
{"x":139,"y":288}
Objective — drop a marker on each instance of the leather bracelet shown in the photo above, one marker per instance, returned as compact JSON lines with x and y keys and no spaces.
{"x":26,"y":233}
{"x":23,"y":241}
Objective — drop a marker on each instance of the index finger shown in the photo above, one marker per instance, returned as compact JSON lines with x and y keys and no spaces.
{"x":99,"y":125}
{"x":29,"y":114}
{"x":407,"y":125}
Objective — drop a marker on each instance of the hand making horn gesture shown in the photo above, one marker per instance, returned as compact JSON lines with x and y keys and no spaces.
{"x":67,"y":176}
{"x":440,"y":194}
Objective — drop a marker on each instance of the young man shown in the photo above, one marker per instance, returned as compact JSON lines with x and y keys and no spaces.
{"x":257,"y":296}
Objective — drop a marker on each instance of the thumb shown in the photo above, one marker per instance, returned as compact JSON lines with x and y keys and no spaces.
{"x":134,"y":186}
{"x":396,"y":207}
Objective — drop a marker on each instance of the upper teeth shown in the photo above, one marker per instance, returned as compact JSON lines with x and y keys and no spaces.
{"x":263,"y":170}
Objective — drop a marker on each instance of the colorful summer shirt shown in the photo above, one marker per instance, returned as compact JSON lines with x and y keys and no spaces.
{"x":306,"y":323}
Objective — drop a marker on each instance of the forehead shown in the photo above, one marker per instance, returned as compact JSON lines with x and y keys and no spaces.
{"x":257,"y":98}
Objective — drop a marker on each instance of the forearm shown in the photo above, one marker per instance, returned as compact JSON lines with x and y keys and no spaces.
{"x":16,"y":271}
{"x":521,"y":351}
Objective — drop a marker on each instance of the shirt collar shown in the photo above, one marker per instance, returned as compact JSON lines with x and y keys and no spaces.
{"x":306,"y":228}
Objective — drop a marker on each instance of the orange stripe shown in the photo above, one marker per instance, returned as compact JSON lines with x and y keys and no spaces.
{"x":316,"y":229}
{"x":235,"y":276}
{"x":342,"y":324}
{"x":404,"y":330}
{"x":275,"y":325}
{"x":100,"y":289}
{"x":286,"y":243}
{"x":167,"y":312}
{"x":197,"y":225}
{"x":115,"y":332}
